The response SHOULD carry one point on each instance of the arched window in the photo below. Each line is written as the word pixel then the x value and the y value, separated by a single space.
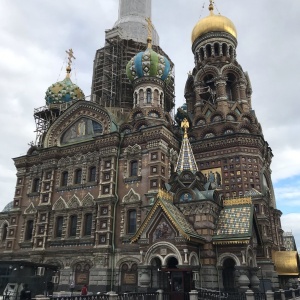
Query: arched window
pixel 29 230
pixel 217 49
pixel 149 96
pixel 208 50
pixel 73 225
pixel 224 49
pixel 132 221
pixel 134 168
pixel 59 226
pixel 77 177
pixel 230 88
pixel 36 185
pixel 201 54
pixel 4 232
pixel 88 218
pixel 92 174
pixel 64 178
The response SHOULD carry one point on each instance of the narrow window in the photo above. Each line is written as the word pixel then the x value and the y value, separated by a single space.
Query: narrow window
pixel 92 175
pixel 73 226
pixel 132 221
pixel 4 232
pixel 36 185
pixel 134 168
pixel 59 226
pixel 78 175
pixel 29 230
pixel 149 96
pixel 88 224
pixel 64 178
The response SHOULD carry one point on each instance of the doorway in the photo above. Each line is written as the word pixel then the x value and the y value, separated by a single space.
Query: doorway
pixel 177 281
pixel 228 274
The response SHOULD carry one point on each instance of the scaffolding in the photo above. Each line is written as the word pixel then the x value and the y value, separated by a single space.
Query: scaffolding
pixel 110 86
pixel 44 116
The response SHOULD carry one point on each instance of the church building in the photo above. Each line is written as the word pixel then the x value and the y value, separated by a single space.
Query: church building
pixel 122 194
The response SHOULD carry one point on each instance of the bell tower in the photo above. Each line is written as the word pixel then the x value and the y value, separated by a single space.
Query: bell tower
pixel 225 133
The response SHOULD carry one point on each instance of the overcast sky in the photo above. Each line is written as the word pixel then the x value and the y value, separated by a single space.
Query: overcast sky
pixel 35 34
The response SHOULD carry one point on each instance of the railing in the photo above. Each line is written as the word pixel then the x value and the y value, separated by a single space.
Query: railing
pixel 168 295
pixel 277 295
pixel 260 296
pixel 138 296
pixel 88 297
pixel 236 296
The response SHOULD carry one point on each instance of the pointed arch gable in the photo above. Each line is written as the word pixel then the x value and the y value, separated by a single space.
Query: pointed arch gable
pixel 74 202
pixel 30 210
pixel 80 110
pixel 60 204
pixel 88 200
pixel 131 197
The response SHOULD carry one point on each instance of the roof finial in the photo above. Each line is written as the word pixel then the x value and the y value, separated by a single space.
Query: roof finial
pixel 149 38
pixel 68 69
pixel 211 7
pixel 185 125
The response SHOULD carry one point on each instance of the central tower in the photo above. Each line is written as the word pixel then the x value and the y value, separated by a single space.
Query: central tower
pixel 111 87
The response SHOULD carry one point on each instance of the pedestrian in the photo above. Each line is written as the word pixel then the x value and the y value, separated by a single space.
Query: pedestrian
pixel 25 293
pixel 84 290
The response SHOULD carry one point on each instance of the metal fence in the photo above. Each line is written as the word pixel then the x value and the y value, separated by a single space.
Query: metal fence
pixel 87 297
pixel 138 296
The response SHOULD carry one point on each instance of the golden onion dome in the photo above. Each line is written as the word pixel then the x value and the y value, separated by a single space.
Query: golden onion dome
pixel 213 23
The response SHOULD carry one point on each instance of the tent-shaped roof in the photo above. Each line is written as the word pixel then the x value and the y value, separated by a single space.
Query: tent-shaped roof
pixel 165 202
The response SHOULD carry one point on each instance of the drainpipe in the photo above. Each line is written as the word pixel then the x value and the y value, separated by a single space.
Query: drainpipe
pixel 114 219
pixel 218 275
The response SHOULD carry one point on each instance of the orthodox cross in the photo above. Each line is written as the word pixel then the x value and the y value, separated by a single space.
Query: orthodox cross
pixel 70 54
pixel 150 27
pixel 185 125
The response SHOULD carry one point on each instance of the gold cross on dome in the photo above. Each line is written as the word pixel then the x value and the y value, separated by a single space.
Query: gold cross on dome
pixel 71 56
pixel 185 125
pixel 150 27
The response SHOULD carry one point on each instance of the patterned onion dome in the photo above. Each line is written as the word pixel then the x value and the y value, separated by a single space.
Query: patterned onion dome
pixel 63 91
pixel 148 63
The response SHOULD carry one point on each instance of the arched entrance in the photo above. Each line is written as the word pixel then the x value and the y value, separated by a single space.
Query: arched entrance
pixel 177 281
pixel 228 274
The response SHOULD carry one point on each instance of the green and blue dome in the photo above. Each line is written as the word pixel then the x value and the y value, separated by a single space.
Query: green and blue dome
pixel 63 91
pixel 148 63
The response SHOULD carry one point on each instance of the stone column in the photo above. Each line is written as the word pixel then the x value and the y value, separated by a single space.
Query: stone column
pixel 249 295
pixel 112 296
pixel 269 295
pixel 194 295
pixel 282 294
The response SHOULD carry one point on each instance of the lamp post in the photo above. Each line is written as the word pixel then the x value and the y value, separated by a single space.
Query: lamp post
pixel 262 277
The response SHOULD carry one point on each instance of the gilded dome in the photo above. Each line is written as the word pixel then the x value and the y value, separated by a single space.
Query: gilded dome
pixel 148 63
pixel 63 91
pixel 213 23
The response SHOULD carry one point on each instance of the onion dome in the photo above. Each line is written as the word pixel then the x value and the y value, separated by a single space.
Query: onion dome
pixel 213 23
pixel 148 63
pixel 64 91
pixel 8 207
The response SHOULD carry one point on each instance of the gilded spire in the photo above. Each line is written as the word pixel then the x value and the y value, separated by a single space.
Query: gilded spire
pixel 149 38
pixel 211 7
pixel 185 125
pixel 186 160
pixel 70 57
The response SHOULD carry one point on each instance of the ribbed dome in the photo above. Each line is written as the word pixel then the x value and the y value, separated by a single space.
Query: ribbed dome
pixel 213 23
pixel 63 91
pixel 148 63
